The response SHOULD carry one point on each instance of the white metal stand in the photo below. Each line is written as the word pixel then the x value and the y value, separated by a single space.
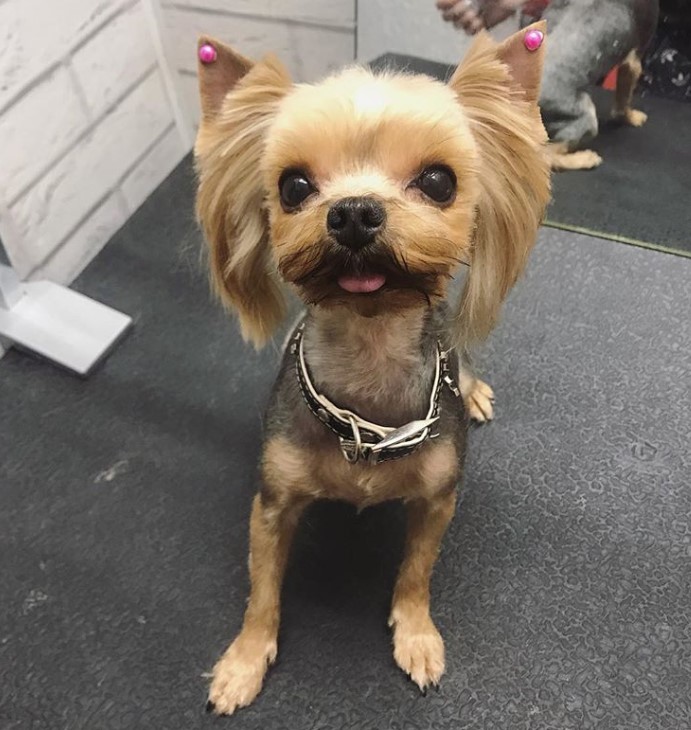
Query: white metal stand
pixel 57 323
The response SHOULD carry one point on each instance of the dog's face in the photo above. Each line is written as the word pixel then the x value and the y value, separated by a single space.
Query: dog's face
pixel 366 191
pixel 371 188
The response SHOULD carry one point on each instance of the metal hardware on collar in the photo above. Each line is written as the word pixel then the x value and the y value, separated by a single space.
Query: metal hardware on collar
pixel 349 450
pixel 352 451
pixel 452 385
pixel 359 438
pixel 446 375
pixel 402 434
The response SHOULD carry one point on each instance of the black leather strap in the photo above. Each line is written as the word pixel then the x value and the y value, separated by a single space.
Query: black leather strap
pixel 345 431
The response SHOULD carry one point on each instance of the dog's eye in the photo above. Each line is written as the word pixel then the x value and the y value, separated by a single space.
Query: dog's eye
pixel 438 183
pixel 294 188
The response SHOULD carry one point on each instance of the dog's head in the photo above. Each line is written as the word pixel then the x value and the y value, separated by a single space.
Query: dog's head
pixel 366 191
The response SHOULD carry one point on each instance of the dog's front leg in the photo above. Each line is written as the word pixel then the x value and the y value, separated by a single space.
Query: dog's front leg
pixel 239 673
pixel 418 646
pixel 478 396
pixel 628 75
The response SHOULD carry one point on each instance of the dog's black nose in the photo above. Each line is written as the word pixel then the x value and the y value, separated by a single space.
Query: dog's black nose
pixel 354 222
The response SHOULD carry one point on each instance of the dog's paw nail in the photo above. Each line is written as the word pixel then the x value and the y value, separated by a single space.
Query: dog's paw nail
pixel 437 688
pixel 210 707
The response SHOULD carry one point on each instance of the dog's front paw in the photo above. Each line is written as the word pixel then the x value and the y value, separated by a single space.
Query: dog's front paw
pixel 580 160
pixel 418 650
pixel 239 673
pixel 479 401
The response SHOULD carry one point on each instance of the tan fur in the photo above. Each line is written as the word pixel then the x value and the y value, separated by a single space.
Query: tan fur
pixel 561 159
pixel 381 356
pixel 239 673
pixel 418 646
pixel 293 477
pixel 376 150
pixel 358 134
pixel 478 397
pixel 228 152
pixel 627 77
pixel 514 181
pixel 325 474
pixel 217 79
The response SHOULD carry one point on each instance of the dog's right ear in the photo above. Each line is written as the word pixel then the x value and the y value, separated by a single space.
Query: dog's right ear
pixel 219 70
pixel 239 101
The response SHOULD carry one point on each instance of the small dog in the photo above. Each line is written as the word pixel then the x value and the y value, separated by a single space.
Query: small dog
pixel 365 193
pixel 587 40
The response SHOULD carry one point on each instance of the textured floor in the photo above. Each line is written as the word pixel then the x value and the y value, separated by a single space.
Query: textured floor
pixel 640 191
pixel 564 584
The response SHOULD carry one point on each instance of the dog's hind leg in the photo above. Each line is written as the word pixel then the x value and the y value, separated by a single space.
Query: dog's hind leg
pixel 571 121
pixel 627 77
pixel 239 673
pixel 418 646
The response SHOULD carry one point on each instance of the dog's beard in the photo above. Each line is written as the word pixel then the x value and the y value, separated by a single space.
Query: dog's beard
pixel 316 272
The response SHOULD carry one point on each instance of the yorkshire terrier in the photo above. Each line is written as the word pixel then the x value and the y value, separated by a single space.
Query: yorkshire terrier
pixel 365 193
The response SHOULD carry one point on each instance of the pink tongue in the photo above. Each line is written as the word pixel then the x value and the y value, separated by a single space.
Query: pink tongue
pixel 362 284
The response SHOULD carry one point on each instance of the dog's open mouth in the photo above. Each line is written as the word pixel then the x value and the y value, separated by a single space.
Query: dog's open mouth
pixel 342 277
pixel 361 283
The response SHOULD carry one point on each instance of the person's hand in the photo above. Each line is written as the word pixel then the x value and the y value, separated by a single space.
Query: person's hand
pixel 464 14
pixel 474 15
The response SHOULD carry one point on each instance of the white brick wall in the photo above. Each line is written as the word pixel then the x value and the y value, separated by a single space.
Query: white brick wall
pixel 151 171
pixel 68 261
pixel 38 128
pixel 64 196
pixel 102 70
pixel 36 34
pixel 312 37
pixel 98 102
pixel 340 13
pixel 87 127
pixel 413 27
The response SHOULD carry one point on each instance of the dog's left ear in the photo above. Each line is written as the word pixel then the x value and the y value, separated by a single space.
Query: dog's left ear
pixel 498 86
pixel 239 100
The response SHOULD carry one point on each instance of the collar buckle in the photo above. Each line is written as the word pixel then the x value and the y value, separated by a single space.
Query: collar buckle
pixel 352 450
pixel 356 449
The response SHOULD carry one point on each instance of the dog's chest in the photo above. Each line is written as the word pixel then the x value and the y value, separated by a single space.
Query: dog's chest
pixel 377 370
pixel 385 371
pixel 422 474
pixel 323 472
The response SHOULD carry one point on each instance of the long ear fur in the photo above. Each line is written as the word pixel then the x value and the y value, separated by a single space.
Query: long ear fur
pixel 239 101
pixel 498 87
